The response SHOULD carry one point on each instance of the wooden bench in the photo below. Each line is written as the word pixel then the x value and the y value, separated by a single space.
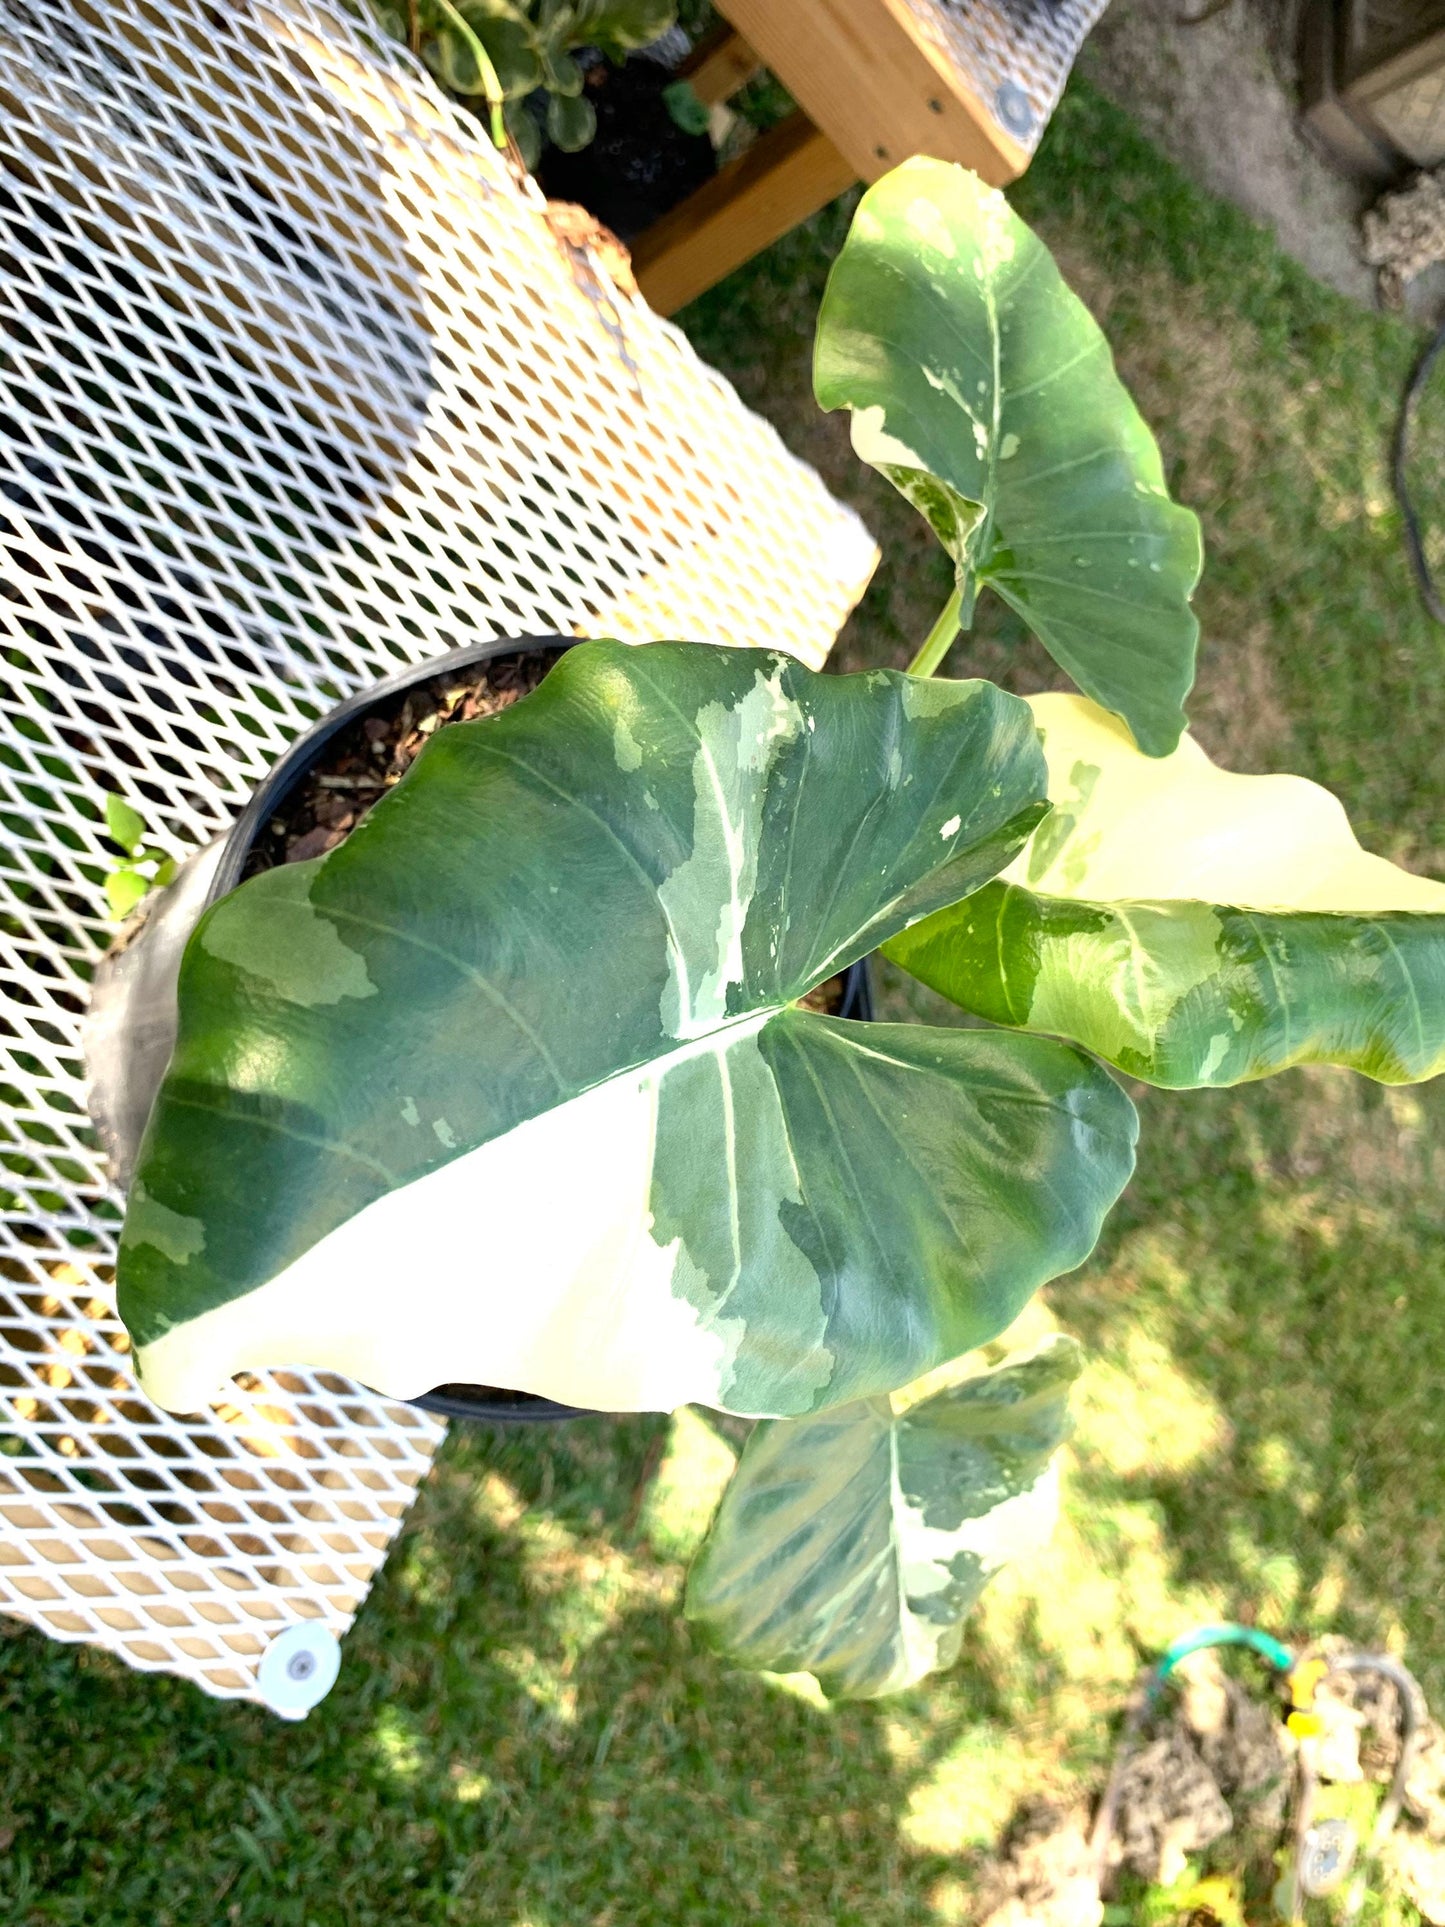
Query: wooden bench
pixel 875 81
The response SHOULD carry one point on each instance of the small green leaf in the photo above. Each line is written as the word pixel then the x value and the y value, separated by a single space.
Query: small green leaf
pixel 511 45
pixel 124 825
pixel 1193 926
pixel 851 1545
pixel 687 111
pixel 507 39
pixel 451 60
pixel 391 20
pixel 620 27
pixel 985 392
pixel 521 124
pixel 165 870
pixel 124 889
pixel 570 123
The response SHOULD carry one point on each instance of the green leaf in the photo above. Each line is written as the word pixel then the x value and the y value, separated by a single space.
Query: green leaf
pixel 512 49
pixel 124 825
pixel 686 110
pixel 851 1545
pixel 619 27
pixel 985 392
pixel 570 123
pixel 562 76
pixel 391 20
pixel 1193 926
pixel 521 124
pixel 124 889
pixel 512 1087
pixel 508 39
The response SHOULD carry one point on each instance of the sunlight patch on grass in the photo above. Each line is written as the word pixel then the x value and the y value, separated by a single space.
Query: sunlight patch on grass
pixel 1280 1466
pixel 1063 1635
pixel 1272 1577
pixel 799 1686
pixel 1142 1412
pixel 498 1503
pixel 683 1497
pixel 967 1795
pixel 468 1785
pixel 543 1682
pixel 398 1744
pixel 953 1902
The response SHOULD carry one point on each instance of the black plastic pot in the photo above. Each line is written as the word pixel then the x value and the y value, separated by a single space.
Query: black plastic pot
pixel 131 1030
pixel 640 164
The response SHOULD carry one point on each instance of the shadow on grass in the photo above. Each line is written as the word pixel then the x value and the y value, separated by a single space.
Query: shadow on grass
pixel 1267 1319
pixel 523 1730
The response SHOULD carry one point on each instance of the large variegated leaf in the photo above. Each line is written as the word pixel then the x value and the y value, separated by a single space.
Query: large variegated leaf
pixel 983 389
pixel 1194 926
pixel 511 1088
pixel 852 1544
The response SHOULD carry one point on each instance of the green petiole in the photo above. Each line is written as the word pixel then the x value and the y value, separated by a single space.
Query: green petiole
pixel 491 86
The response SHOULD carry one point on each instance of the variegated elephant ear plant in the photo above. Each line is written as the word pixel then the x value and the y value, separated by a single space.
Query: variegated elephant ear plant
pixel 515 1085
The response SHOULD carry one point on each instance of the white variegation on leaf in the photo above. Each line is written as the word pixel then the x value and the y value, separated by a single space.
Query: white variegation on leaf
pixel 981 386
pixel 512 1086
pixel 853 1544
pixel 1195 926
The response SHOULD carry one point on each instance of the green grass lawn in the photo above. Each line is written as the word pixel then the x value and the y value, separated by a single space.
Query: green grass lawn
pixel 524 1733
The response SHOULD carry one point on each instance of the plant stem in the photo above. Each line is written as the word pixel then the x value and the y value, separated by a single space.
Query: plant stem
pixel 491 86
pixel 941 635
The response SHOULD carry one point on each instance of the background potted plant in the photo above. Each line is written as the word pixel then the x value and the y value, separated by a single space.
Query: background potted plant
pixel 516 1082
pixel 519 58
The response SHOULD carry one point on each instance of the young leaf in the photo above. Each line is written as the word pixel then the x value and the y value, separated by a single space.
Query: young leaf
pixel 124 889
pixel 561 74
pixel 620 27
pixel 851 1545
pixel 985 392
pixel 511 43
pixel 570 123
pixel 391 19
pixel 511 1086
pixel 506 35
pixel 1193 926
pixel 521 124
pixel 124 825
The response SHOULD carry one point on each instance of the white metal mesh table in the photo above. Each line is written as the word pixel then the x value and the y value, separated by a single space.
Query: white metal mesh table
pixel 296 385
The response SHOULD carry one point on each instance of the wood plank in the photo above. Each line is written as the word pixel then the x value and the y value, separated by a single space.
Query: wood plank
pixel 719 66
pixel 786 175
pixel 877 85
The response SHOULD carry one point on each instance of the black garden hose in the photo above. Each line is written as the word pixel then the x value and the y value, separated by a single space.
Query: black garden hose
pixel 1414 544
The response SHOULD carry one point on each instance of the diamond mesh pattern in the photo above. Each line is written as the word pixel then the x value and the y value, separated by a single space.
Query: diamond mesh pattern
pixel 1016 53
pixel 296 384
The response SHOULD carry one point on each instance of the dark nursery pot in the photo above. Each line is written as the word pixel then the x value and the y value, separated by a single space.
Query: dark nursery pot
pixel 640 164
pixel 130 1030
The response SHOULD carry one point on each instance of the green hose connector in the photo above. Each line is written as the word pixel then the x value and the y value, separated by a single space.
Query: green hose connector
pixel 1226 1634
